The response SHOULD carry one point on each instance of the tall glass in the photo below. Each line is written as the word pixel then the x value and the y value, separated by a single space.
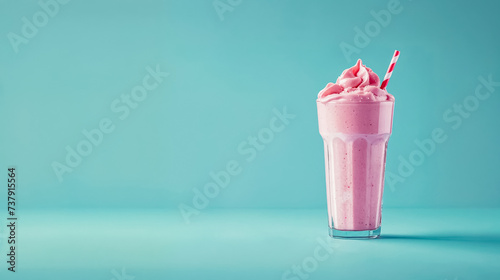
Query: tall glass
pixel 355 137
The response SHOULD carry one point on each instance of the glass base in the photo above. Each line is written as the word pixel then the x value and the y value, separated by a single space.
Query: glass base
pixel 362 234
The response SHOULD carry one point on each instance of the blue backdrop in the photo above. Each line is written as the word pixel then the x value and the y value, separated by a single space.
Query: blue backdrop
pixel 185 106
pixel 229 67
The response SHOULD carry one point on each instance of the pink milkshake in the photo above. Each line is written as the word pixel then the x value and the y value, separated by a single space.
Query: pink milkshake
pixel 355 121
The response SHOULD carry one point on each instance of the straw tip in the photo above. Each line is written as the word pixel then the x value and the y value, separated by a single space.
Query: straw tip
pixel 396 52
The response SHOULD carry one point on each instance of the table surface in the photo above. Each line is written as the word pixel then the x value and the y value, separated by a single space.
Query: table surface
pixel 252 244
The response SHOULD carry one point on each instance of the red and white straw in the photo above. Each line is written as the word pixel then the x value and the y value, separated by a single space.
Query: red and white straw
pixel 389 71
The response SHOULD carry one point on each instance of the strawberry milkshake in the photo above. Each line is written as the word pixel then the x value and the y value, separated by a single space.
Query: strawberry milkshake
pixel 355 121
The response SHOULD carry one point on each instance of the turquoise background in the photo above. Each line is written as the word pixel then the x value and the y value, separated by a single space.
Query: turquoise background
pixel 227 75
pixel 225 79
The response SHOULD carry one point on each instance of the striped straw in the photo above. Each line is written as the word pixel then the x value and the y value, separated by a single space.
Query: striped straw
pixel 389 71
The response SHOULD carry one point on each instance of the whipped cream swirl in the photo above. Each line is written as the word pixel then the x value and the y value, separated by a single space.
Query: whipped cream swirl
pixel 356 84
